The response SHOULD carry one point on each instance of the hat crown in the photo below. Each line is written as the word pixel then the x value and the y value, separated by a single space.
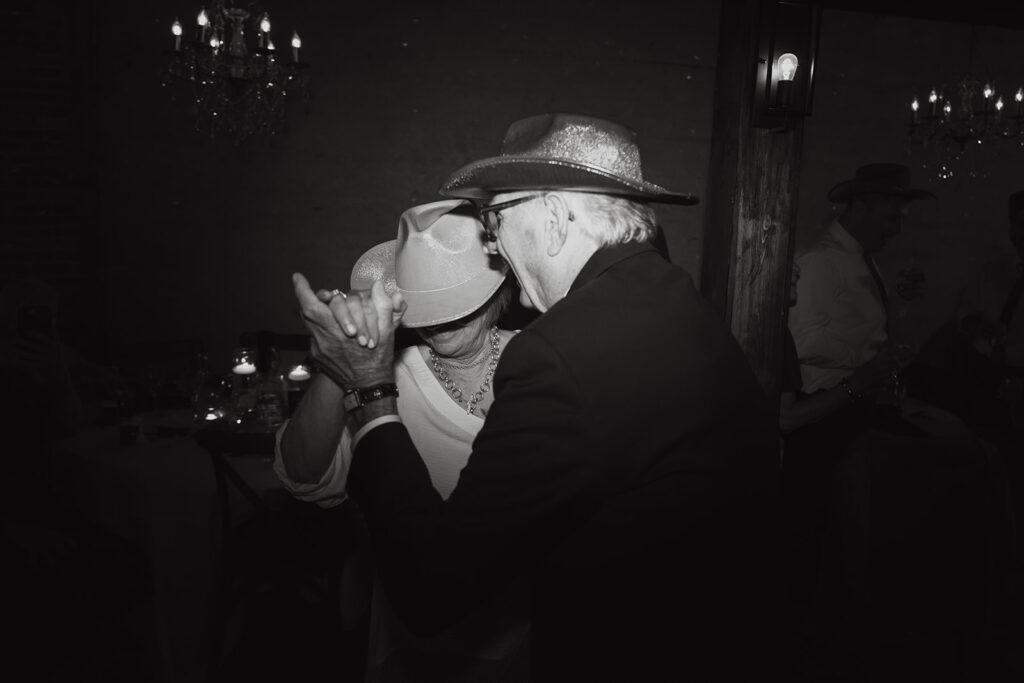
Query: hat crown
pixel 437 261
pixel 585 140
pixel 438 247
pixel 896 175
pixel 878 178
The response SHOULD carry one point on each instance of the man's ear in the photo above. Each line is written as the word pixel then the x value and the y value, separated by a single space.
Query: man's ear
pixel 556 223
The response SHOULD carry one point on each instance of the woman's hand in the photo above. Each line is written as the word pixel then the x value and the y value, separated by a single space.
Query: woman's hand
pixel 351 334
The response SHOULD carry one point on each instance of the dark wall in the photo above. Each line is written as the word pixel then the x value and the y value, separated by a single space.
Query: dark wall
pixel 152 232
pixel 49 200
pixel 202 238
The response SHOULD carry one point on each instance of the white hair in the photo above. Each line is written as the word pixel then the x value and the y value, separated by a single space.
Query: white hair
pixel 613 219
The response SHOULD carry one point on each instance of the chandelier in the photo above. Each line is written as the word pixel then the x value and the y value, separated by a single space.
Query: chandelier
pixel 961 128
pixel 959 120
pixel 239 87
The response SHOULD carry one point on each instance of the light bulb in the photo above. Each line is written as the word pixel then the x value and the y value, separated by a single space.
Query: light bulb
pixel 201 19
pixel 296 41
pixel 932 96
pixel 787 66
pixel 265 24
pixel 914 105
pixel 176 28
pixel 987 91
pixel 1020 95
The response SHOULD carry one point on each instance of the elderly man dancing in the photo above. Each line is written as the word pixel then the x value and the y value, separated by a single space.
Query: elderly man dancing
pixel 627 468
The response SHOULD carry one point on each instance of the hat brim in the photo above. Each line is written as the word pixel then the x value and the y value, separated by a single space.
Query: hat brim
pixel 425 308
pixel 846 190
pixel 483 179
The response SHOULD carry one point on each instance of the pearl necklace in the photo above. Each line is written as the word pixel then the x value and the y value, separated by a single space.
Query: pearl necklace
pixel 485 386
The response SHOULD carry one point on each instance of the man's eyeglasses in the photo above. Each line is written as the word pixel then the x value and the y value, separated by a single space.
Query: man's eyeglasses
pixel 490 215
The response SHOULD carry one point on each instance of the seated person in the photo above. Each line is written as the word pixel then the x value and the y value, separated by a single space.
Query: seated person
pixel 874 469
pixel 456 294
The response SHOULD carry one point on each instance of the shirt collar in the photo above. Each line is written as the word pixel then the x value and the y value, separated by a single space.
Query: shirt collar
pixel 606 257
pixel 847 241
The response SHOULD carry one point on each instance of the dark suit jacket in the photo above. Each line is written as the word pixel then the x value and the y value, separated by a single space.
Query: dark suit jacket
pixel 627 469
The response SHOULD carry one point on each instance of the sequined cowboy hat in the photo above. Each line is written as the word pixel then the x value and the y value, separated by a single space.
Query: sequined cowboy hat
pixel 437 262
pixel 562 152
pixel 878 179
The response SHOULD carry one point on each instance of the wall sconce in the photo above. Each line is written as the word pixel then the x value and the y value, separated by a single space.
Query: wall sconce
pixel 787 46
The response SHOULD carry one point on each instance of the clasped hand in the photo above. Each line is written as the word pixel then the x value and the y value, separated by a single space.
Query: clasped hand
pixel 351 335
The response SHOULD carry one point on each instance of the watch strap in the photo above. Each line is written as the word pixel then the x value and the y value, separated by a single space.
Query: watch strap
pixel 360 396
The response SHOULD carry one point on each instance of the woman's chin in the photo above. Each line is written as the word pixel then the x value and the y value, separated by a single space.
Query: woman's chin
pixel 443 342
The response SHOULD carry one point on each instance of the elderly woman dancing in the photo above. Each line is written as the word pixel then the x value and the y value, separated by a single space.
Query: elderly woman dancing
pixel 455 293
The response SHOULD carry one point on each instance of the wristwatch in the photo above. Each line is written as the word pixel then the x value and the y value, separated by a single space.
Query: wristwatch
pixel 359 397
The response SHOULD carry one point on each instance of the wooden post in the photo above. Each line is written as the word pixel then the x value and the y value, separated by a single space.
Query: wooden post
pixel 752 200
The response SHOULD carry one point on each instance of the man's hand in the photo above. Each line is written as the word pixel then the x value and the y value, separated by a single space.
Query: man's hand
pixel 352 336
pixel 878 373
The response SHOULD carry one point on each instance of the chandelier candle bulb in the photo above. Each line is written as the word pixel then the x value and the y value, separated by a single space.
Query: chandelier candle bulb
pixel 932 99
pixel 264 30
pixel 1019 97
pixel 203 23
pixel 176 30
pixel 296 44
pixel 914 106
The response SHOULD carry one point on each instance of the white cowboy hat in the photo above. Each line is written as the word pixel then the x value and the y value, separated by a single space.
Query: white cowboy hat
pixel 437 262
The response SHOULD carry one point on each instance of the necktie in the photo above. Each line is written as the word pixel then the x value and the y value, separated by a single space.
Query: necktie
pixel 880 285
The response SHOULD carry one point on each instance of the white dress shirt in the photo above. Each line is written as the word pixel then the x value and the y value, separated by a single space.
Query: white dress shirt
pixel 839 319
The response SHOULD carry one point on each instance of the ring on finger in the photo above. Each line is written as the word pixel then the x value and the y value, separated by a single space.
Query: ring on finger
pixel 338 292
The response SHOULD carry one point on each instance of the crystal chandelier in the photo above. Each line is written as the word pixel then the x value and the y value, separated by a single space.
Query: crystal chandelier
pixel 960 128
pixel 959 121
pixel 238 87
